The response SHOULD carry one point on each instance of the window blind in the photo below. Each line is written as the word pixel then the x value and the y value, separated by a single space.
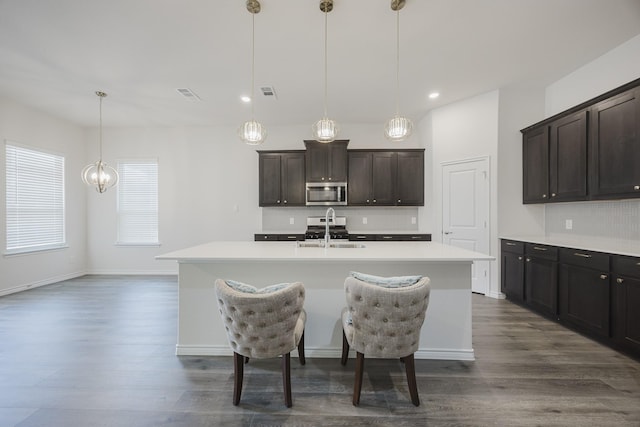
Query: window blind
pixel 34 200
pixel 138 202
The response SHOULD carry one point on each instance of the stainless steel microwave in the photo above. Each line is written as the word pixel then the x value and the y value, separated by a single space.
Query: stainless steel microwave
pixel 326 193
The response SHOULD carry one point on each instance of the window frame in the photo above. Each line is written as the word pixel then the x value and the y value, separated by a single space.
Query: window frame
pixel 122 185
pixel 57 203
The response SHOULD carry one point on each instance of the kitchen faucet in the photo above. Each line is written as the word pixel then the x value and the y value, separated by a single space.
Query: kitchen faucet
pixel 326 225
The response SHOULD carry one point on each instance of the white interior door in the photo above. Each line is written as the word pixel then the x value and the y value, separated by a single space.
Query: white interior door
pixel 465 213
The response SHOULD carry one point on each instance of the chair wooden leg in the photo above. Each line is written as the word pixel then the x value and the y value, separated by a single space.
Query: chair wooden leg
pixel 238 372
pixel 286 378
pixel 345 349
pixel 357 386
pixel 301 350
pixel 410 366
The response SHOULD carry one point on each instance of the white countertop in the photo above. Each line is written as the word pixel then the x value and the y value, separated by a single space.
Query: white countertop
pixel 279 251
pixel 596 244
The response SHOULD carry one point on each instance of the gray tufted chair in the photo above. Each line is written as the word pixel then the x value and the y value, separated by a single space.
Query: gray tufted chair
pixel 263 325
pixel 383 323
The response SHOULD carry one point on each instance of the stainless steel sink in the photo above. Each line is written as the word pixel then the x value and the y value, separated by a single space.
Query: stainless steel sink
pixel 320 244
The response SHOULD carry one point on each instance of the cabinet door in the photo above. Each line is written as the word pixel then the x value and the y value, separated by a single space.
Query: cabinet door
pixel 615 147
pixel 541 285
pixel 270 175
pixel 568 158
pixel 513 276
pixel 317 161
pixel 293 179
pixel 384 178
pixel 410 179
pixel 584 299
pixel 337 163
pixel 360 176
pixel 626 312
pixel 535 165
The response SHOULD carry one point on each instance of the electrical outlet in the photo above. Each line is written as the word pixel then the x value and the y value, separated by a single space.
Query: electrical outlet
pixel 413 220
pixel 364 219
pixel 568 224
pixel 291 221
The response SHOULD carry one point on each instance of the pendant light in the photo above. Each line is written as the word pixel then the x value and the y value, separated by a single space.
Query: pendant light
pixel 252 132
pixel 325 130
pixel 398 128
pixel 99 174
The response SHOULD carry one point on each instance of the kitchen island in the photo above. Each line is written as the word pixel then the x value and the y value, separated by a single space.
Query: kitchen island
pixel 446 333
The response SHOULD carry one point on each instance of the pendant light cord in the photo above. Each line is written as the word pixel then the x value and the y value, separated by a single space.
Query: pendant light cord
pixel 253 60
pixel 100 133
pixel 325 62
pixel 398 61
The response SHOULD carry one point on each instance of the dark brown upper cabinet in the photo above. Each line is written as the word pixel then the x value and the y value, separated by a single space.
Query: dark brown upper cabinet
pixel 326 162
pixel 386 178
pixel 535 165
pixel 615 147
pixel 281 178
pixel 589 152
pixel 568 158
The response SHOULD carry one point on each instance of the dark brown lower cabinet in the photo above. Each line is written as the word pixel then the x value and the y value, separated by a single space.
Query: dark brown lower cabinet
pixel 541 278
pixel 595 293
pixel 625 294
pixel 585 291
pixel 512 279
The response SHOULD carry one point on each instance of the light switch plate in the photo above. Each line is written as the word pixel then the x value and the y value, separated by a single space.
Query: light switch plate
pixel 568 224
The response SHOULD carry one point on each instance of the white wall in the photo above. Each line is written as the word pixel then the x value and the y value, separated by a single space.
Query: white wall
pixel 208 183
pixel 615 68
pixel 41 131
pixel 465 130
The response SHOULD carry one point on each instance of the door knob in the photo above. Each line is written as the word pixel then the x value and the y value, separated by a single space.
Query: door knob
pixel 448 232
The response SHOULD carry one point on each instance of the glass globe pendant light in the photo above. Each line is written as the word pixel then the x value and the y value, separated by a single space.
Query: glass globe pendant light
pixel 398 128
pixel 252 132
pixel 99 174
pixel 325 130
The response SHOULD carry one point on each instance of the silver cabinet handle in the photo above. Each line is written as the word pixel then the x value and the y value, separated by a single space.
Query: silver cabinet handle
pixel 544 196
pixel 285 202
pixel 416 237
pixel 361 237
pixel 367 200
pixel 528 259
pixel 603 276
pixel 292 237
pixel 538 248
pixel 399 201
pixel 510 244
pixel 387 237
pixel 278 201
pixel 553 194
pixel 636 187
pixel 519 258
pixel 582 255
pixel 619 280
pixel 375 201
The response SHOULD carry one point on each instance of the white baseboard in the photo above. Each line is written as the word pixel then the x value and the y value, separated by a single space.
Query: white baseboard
pixel 134 272
pixel 496 295
pixel 324 353
pixel 44 282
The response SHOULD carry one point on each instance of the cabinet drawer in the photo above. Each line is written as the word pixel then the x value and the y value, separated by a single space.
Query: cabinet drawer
pixel 355 237
pixel 512 246
pixel 265 237
pixel 291 237
pixel 588 259
pixel 541 251
pixel 626 266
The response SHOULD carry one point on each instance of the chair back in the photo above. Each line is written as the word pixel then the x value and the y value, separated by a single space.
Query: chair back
pixel 262 325
pixel 386 321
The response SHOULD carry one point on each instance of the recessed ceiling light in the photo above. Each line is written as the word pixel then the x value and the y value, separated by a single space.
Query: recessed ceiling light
pixel 434 95
pixel 245 99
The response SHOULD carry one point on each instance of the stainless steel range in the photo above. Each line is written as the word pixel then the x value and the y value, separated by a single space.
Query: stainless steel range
pixel 316 228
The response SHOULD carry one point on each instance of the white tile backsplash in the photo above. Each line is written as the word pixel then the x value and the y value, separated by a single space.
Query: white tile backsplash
pixel 378 219
pixel 606 219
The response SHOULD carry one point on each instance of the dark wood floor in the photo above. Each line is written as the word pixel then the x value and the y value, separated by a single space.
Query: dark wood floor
pixel 99 351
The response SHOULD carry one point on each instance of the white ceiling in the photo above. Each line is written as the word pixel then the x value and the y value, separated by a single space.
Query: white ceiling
pixel 55 54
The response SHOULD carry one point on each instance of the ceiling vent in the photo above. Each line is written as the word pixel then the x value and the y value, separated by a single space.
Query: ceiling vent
pixel 268 91
pixel 188 94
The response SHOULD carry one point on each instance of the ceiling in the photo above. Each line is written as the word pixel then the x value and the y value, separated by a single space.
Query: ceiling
pixel 55 54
